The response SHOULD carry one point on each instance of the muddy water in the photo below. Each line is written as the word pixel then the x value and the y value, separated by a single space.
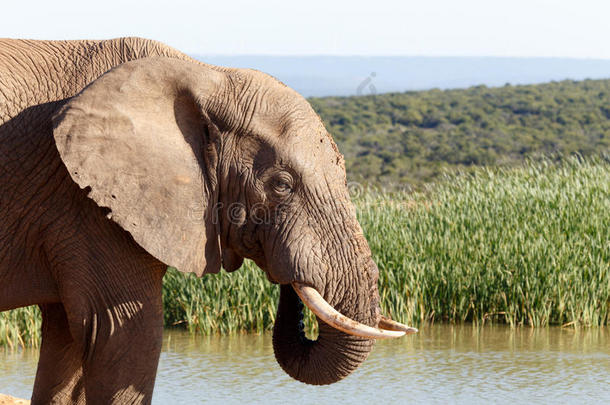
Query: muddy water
pixel 456 364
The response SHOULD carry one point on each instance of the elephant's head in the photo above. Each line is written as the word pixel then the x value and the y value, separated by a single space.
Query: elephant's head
pixel 204 166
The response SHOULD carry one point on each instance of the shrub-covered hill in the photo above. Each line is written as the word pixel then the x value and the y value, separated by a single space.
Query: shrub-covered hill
pixel 411 137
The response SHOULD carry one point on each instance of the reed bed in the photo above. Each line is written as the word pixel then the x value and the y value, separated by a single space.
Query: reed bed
pixel 524 246
pixel 20 327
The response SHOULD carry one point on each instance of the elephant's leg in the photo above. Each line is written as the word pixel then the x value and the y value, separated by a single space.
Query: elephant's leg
pixel 123 368
pixel 59 375
pixel 110 288
pixel 119 325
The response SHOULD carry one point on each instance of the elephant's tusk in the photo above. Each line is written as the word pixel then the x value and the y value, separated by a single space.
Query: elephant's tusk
pixel 334 318
pixel 388 324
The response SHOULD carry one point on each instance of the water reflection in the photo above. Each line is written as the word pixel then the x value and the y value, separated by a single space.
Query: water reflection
pixel 460 364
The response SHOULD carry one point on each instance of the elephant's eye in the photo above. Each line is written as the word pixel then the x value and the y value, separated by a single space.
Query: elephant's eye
pixel 282 184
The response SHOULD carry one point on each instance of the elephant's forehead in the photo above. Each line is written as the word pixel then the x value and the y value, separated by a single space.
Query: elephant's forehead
pixel 315 155
pixel 299 136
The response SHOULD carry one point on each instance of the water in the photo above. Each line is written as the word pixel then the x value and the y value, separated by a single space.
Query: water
pixel 456 364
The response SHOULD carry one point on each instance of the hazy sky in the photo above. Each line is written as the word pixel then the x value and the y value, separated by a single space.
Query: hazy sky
pixel 337 27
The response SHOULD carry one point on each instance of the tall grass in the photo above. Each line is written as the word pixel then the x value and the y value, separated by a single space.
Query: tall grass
pixel 526 246
pixel 20 327
pixel 222 303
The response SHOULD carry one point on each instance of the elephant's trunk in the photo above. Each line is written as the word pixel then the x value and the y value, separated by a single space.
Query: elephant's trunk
pixel 333 356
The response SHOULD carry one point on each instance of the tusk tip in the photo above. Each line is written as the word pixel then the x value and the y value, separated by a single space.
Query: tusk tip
pixel 388 324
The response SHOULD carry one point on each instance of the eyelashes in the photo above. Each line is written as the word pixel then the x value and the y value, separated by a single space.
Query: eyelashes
pixel 282 184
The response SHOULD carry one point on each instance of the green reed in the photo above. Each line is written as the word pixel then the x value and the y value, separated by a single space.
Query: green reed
pixel 525 246
pixel 528 246
pixel 20 327
pixel 222 303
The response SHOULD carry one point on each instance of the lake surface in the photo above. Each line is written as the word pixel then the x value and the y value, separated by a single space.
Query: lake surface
pixel 455 364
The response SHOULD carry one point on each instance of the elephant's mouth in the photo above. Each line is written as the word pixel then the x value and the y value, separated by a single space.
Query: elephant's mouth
pixel 386 329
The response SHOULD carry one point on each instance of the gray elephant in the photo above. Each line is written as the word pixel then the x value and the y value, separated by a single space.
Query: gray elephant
pixel 121 157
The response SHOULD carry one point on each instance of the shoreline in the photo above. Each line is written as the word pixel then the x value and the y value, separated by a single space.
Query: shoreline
pixel 9 400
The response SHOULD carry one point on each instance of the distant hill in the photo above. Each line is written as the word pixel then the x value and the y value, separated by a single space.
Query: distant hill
pixel 409 138
pixel 317 76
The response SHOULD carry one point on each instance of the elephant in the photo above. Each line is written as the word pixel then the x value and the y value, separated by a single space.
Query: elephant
pixel 119 158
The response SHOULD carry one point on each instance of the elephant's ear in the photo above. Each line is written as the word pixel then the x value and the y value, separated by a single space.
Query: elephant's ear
pixel 140 138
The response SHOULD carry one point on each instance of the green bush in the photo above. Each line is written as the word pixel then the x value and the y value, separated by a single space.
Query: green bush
pixel 412 134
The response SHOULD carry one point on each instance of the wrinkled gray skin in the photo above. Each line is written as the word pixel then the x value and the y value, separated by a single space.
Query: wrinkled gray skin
pixel 196 166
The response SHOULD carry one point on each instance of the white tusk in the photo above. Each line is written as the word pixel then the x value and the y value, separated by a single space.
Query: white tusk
pixel 388 324
pixel 334 318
